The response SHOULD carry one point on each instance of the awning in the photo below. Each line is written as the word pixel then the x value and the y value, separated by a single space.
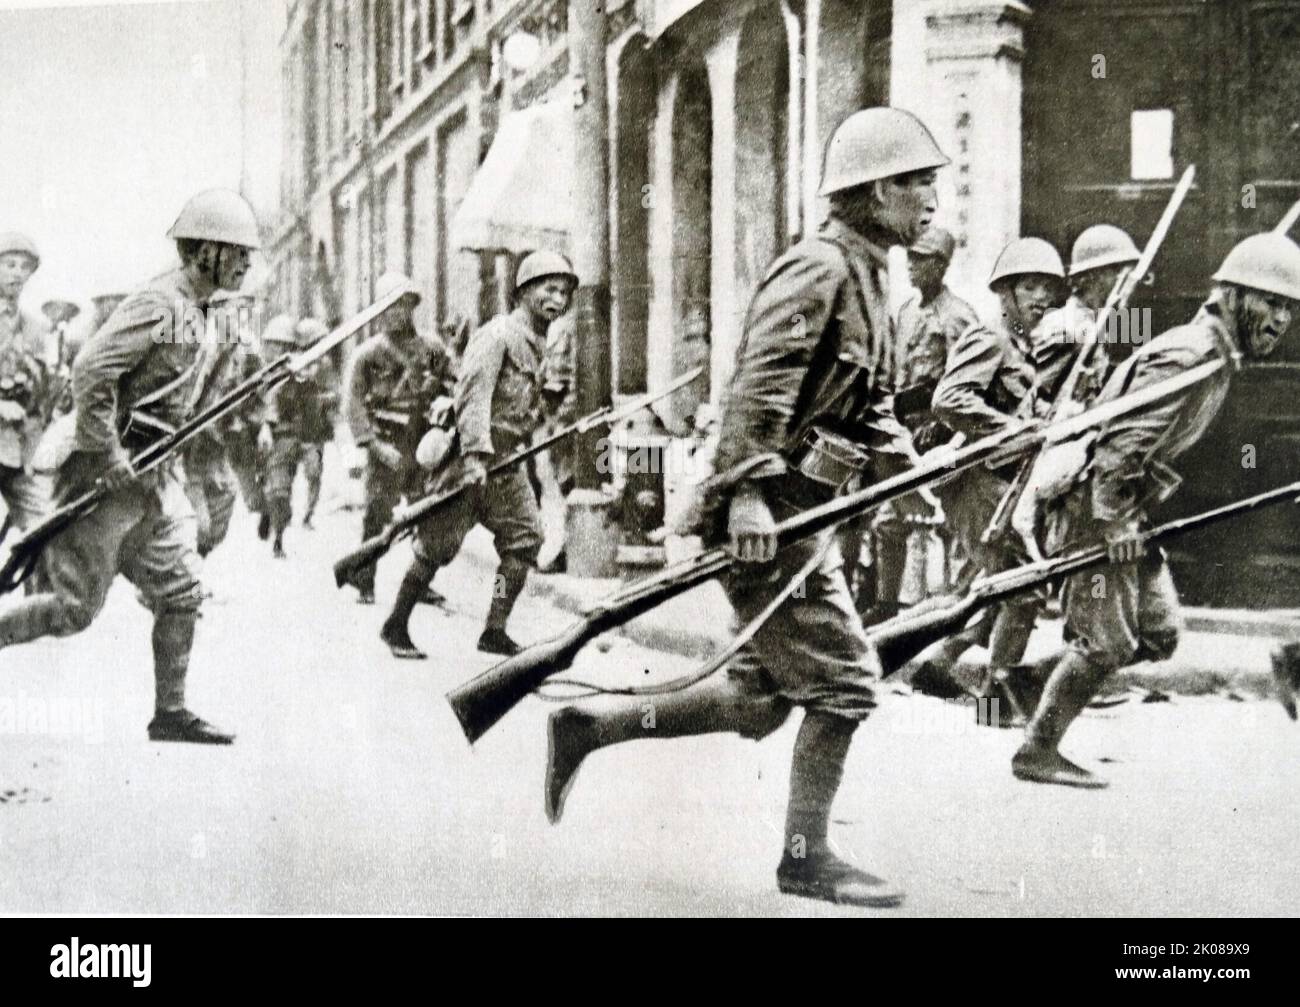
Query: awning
pixel 521 197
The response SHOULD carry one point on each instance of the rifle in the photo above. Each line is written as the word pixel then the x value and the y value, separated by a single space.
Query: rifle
pixel 21 561
pixel 1117 300
pixel 486 698
pixel 407 518
pixel 901 638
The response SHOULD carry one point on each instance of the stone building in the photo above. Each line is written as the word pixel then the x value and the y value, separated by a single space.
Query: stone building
pixel 1057 114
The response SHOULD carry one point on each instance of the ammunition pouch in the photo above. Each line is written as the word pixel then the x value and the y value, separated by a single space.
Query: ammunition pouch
pixel 829 459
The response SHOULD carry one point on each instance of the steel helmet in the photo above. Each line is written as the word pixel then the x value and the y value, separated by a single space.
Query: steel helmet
pixel 1024 256
pixel 60 311
pixel 217 215
pixel 392 282
pixel 279 330
pixel 309 330
pixel 935 241
pixel 1268 261
pixel 877 143
pixel 540 265
pixel 12 241
pixel 1101 245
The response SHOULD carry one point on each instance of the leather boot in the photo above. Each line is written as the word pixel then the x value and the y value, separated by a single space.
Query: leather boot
pixel 716 704
pixel 509 583
pixel 807 866
pixel 1072 684
pixel 395 631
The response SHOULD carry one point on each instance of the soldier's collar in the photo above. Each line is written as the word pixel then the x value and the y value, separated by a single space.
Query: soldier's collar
pixel 1211 315
pixel 856 242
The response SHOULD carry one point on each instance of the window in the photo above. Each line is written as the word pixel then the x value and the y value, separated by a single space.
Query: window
pixel 1151 144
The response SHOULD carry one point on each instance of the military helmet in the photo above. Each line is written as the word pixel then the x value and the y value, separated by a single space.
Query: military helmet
pixel 12 241
pixel 392 282
pixel 60 311
pixel 279 329
pixel 217 215
pixel 309 330
pixel 1102 245
pixel 877 143
pixel 935 241
pixel 540 265
pixel 1025 256
pixel 1268 261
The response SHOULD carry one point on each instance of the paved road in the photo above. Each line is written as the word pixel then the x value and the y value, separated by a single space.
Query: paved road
pixel 350 788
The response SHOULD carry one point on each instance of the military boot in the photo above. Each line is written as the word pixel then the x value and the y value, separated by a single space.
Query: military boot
pixel 716 704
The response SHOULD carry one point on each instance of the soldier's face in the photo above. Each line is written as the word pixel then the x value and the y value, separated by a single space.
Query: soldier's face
pixel 15 270
pixel 1033 295
pixel 907 204
pixel 1265 318
pixel 225 265
pixel 548 298
pixel 926 272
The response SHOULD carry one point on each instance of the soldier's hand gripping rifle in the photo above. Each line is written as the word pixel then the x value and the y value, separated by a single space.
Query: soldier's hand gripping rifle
pixel 485 699
pixel 900 639
pixel 26 550
pixel 1117 301
pixel 405 519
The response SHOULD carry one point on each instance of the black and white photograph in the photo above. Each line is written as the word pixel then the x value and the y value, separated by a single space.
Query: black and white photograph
pixel 651 458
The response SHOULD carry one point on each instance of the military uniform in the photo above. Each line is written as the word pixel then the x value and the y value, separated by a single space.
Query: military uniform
pixel 240 429
pixel 140 529
pixel 24 382
pixel 389 391
pixel 302 417
pixel 1057 342
pixel 927 331
pixel 989 381
pixel 498 409
pixel 1136 615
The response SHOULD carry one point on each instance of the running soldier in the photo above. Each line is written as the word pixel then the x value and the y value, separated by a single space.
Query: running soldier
pixel 989 383
pixel 302 422
pixel 1131 614
pixel 392 380
pixel 1100 254
pixel 498 409
pixel 244 431
pixel 25 385
pixel 129 382
pixel 209 481
pixel 929 325
pixel 812 389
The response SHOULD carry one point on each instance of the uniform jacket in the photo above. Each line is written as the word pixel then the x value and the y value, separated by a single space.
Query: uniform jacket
pixel 927 333
pixel 498 391
pixel 24 378
pixel 382 376
pixel 1056 343
pixel 303 408
pixel 816 350
pixel 153 354
pixel 1128 452
pixel 988 375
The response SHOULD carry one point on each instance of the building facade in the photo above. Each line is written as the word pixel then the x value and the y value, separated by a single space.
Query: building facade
pixel 1057 114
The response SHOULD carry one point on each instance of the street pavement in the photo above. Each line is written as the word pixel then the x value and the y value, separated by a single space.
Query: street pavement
pixel 350 788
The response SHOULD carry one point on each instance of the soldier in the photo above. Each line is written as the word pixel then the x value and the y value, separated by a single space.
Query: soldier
pixel 811 389
pixel 392 380
pixel 209 481
pixel 60 315
pixel 928 327
pixel 151 358
pixel 560 399
pixel 498 408
pixel 988 383
pixel 244 431
pixel 1134 614
pixel 25 385
pixel 302 420
pixel 1100 254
